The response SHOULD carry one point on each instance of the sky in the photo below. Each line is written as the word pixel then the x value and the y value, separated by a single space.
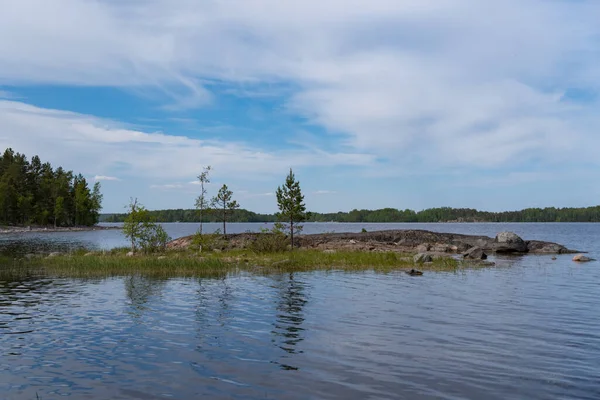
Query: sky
pixel 382 103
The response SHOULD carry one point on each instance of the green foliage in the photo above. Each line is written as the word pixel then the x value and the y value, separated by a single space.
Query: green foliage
pixel 292 209
pixel 270 241
pixel 207 242
pixel 34 193
pixel 223 205
pixel 363 230
pixel 143 233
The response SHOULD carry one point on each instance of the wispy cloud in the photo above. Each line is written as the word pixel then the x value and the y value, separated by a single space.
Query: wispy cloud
pixel 99 178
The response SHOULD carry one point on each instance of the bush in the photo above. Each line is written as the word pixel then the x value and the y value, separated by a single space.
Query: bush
pixel 364 230
pixel 154 239
pixel 270 241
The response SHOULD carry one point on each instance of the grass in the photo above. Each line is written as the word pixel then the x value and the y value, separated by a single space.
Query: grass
pixel 186 263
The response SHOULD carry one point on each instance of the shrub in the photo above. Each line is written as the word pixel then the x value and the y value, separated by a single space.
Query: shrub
pixel 270 241
pixel 154 239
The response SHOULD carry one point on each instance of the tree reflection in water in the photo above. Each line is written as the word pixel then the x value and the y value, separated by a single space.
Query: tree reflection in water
pixel 288 331
pixel 140 289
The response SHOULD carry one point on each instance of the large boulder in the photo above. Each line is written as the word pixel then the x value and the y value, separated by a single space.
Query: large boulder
pixel 509 242
pixel 582 258
pixel 475 253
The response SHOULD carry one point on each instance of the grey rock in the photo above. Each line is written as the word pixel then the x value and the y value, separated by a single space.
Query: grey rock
pixel 29 256
pixel 422 248
pixel 130 254
pixel 509 242
pixel 54 254
pixel 534 246
pixel 88 254
pixel 422 258
pixel 582 258
pixel 475 253
pixel 329 251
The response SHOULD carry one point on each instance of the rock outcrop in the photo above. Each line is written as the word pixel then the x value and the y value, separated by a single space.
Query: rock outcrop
pixel 403 241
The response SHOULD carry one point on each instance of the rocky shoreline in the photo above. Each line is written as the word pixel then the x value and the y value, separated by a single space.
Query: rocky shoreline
pixel 50 229
pixel 406 241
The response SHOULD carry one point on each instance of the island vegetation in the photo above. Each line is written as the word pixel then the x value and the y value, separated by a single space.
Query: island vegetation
pixel 152 252
pixel 33 193
pixel 443 214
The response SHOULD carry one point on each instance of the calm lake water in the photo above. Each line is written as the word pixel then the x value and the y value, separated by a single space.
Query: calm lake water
pixel 528 328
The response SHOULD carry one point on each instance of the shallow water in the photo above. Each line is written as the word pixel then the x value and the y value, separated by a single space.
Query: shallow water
pixel 529 328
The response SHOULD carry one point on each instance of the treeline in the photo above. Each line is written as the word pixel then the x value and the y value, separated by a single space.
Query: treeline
pixel 444 214
pixel 34 193
pixel 180 215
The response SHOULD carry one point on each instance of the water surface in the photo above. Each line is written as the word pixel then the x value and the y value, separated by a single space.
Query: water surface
pixel 529 328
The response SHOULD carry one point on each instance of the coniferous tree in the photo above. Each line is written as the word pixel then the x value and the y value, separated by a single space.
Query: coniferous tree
pixel 290 201
pixel 223 205
pixel 33 193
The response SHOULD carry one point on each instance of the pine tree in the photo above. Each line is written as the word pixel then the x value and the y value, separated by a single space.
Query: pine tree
pixel 290 201
pixel 223 205
pixel 202 204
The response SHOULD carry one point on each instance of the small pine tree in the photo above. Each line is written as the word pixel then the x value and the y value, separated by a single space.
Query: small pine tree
pixel 290 201
pixel 223 205
pixel 202 204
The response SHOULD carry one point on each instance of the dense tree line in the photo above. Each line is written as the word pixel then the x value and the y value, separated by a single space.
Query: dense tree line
pixel 34 193
pixel 180 215
pixel 445 214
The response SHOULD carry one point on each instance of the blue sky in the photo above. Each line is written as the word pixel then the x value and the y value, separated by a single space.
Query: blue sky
pixel 386 103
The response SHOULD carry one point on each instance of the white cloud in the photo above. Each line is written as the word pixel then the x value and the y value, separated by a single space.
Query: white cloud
pixel 427 83
pixel 84 143
pixel 99 178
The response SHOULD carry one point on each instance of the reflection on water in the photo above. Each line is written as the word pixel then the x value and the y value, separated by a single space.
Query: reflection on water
pixel 288 331
pixel 527 330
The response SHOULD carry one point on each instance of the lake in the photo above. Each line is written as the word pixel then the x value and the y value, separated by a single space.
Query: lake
pixel 528 328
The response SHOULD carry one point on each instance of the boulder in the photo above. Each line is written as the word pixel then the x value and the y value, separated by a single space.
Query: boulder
pixel 88 254
pixel 29 256
pixel 582 258
pixel 475 253
pixel 422 258
pixel 130 254
pixel 509 242
pixel 54 254
pixel 422 248
pixel 329 251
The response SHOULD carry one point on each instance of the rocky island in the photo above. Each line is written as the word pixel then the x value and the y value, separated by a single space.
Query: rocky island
pixel 402 241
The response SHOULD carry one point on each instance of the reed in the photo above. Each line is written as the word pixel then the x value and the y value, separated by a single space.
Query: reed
pixel 187 263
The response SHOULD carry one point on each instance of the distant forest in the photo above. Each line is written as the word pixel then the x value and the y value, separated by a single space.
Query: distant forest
pixel 445 214
pixel 33 193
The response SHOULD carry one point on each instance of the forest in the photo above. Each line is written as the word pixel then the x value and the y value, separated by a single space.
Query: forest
pixel 444 214
pixel 33 193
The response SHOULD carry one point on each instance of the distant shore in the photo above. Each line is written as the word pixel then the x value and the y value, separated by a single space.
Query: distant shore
pixel 34 229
